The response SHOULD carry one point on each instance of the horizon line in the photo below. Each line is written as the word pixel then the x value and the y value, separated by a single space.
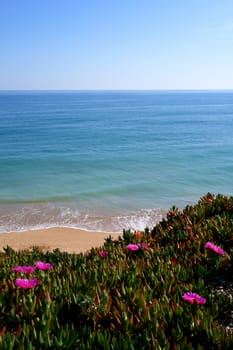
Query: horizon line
pixel 116 90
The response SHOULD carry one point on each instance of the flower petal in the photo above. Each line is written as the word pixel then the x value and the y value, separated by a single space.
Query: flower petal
pixel 43 266
pixel 132 247
pixel 214 248
pixel 191 297
pixel 24 269
pixel 103 253
pixel 26 283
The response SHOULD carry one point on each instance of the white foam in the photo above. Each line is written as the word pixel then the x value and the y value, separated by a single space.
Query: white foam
pixel 48 215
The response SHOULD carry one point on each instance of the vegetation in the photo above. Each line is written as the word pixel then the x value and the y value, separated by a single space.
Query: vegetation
pixel 130 293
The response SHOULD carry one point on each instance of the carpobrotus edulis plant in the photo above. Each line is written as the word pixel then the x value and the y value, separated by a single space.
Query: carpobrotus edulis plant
pixel 156 290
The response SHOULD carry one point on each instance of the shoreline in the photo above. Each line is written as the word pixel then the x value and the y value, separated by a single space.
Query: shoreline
pixel 70 240
pixel 21 217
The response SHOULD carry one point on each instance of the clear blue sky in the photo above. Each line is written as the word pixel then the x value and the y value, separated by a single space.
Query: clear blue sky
pixel 116 44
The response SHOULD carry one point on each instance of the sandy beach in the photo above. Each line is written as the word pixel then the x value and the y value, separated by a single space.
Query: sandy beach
pixel 66 239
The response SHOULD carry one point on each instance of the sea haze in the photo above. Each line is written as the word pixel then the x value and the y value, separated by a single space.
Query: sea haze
pixel 106 161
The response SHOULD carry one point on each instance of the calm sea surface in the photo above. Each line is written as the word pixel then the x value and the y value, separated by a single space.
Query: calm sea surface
pixel 110 160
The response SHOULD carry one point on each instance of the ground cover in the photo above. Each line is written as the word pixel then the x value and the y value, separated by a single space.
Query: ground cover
pixel 165 288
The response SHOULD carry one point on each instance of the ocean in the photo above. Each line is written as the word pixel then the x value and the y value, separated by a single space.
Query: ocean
pixel 110 160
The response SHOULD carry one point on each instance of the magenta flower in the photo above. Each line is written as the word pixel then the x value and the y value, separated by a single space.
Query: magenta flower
pixel 214 248
pixel 103 253
pixel 43 266
pixel 24 269
pixel 25 283
pixel 193 297
pixel 132 247
pixel 142 245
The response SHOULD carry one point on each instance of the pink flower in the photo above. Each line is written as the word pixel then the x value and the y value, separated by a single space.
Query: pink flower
pixel 103 254
pixel 43 266
pixel 193 297
pixel 214 248
pixel 24 269
pixel 25 283
pixel 135 247
pixel 132 247
pixel 142 245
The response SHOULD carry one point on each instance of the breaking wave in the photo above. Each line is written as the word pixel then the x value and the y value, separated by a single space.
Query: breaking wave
pixel 16 218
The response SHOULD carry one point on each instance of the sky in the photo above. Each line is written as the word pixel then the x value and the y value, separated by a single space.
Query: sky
pixel 116 44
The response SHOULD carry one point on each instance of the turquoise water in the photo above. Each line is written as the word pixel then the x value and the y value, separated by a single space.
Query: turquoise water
pixel 110 160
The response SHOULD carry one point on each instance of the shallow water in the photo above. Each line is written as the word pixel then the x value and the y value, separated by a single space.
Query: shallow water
pixel 110 160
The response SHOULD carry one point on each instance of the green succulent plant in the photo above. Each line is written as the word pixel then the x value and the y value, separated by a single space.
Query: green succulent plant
pixel 128 299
